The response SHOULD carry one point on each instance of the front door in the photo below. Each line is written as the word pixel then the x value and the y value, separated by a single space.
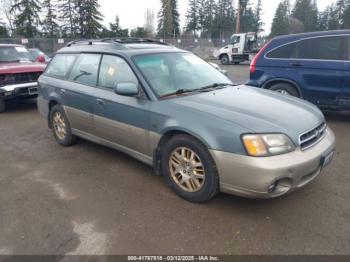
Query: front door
pixel 122 120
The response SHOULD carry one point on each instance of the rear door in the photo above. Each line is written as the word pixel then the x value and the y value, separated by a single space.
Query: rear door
pixel 321 68
pixel 123 120
pixel 78 92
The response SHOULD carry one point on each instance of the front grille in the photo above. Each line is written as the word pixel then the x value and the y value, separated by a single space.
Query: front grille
pixel 25 77
pixel 20 78
pixel 312 137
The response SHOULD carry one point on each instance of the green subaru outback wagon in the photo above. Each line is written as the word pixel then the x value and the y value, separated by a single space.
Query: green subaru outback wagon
pixel 174 111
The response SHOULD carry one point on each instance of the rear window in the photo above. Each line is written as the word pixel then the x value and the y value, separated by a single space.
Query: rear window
pixel 284 52
pixel 60 65
pixel 323 48
pixel 85 69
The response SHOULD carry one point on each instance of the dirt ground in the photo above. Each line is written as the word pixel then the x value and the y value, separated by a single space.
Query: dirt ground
pixel 88 199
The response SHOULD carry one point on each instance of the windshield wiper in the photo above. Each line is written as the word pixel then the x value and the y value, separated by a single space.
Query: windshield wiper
pixel 10 61
pixel 215 86
pixel 202 89
pixel 179 92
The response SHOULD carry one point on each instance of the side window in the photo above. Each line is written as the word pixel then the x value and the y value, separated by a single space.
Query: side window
pixel 60 65
pixel 284 52
pixel 85 69
pixel 322 48
pixel 115 70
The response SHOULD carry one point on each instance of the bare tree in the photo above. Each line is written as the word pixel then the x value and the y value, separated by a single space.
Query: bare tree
pixel 149 22
pixel 5 6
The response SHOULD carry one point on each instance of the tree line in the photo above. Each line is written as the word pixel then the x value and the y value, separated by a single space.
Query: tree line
pixel 204 18
pixel 83 19
pixel 304 16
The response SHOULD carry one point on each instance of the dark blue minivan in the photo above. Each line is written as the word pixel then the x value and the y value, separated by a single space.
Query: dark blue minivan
pixel 313 66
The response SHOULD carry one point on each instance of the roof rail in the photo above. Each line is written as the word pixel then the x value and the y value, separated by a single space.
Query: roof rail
pixel 134 40
pixel 118 41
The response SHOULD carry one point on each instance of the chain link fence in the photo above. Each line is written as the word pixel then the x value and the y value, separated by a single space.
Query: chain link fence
pixel 205 48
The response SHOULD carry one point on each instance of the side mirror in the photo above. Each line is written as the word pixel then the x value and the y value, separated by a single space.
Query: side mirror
pixel 41 59
pixel 126 89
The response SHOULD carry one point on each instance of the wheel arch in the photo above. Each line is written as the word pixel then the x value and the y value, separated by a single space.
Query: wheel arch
pixel 224 54
pixel 274 81
pixel 165 137
pixel 52 103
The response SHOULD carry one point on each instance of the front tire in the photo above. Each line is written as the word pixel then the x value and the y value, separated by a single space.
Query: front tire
pixel 61 129
pixel 189 169
pixel 285 88
pixel 224 59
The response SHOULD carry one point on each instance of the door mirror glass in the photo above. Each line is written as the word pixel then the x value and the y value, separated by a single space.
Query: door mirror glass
pixel 126 89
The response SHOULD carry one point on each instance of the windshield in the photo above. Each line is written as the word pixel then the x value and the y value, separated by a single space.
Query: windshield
pixel 15 54
pixel 169 73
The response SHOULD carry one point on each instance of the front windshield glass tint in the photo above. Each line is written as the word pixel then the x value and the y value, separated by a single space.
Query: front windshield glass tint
pixel 15 54
pixel 170 72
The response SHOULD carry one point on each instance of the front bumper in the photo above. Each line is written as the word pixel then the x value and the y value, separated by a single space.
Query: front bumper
pixel 268 177
pixel 25 90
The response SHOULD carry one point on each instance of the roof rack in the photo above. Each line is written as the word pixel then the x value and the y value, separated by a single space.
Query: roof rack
pixel 118 41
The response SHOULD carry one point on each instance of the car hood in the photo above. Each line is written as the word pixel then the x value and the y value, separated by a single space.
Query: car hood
pixel 258 110
pixel 21 67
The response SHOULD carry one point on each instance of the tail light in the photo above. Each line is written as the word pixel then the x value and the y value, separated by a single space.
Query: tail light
pixel 256 57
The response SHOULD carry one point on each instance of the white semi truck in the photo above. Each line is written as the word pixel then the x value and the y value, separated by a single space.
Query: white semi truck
pixel 241 48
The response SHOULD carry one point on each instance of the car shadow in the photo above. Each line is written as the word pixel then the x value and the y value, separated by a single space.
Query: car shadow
pixel 20 105
pixel 337 116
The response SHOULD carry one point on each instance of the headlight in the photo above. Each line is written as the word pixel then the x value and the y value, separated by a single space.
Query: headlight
pixel 267 144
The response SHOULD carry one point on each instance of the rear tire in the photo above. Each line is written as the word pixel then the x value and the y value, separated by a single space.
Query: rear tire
pixel 61 129
pixel 2 106
pixel 189 169
pixel 224 59
pixel 285 88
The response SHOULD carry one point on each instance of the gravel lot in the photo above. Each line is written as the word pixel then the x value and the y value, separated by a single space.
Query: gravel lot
pixel 88 199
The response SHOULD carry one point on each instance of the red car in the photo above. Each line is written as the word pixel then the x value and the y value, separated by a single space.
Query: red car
pixel 19 72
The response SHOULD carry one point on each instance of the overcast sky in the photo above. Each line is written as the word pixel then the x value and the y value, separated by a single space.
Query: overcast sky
pixel 131 12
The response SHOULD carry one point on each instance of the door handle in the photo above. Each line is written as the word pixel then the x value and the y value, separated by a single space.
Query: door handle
pixel 296 64
pixel 63 92
pixel 100 102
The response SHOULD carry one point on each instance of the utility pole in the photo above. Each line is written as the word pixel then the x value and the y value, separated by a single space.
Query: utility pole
pixel 238 22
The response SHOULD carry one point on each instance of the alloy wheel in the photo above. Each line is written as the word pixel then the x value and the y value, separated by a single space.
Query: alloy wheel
pixel 187 169
pixel 59 125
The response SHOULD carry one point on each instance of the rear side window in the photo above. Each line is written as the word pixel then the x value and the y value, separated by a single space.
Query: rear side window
pixel 323 48
pixel 60 65
pixel 85 69
pixel 284 52
pixel 115 70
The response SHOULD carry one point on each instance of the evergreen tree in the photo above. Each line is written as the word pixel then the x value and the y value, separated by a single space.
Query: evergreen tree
pixel 323 19
pixel 68 17
pixel 27 17
pixel 346 15
pixel 333 21
pixel 168 19
pixel 50 26
pixel 139 32
pixel 248 19
pixel 209 17
pixel 280 22
pixel 306 12
pixel 258 23
pixel 116 30
pixel 224 23
pixel 193 16
pixel 89 18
